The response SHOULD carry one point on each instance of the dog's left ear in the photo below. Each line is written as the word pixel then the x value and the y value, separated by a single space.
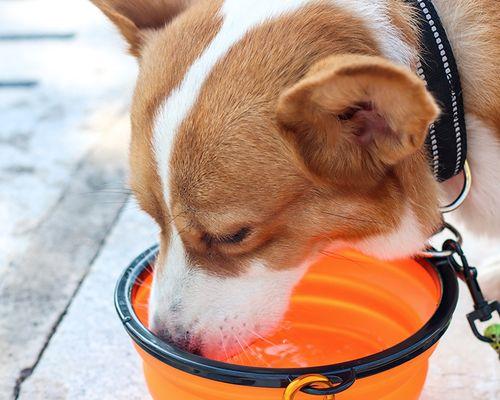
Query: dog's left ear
pixel 356 116
pixel 134 17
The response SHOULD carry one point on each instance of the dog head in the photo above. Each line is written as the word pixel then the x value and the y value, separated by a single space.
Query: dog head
pixel 263 133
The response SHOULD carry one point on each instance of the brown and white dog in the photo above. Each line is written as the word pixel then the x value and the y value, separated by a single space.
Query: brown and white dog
pixel 265 131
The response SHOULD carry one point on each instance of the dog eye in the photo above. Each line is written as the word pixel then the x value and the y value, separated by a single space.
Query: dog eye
pixel 237 237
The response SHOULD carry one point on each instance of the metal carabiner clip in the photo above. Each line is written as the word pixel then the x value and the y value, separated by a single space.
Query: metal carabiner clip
pixel 483 310
pixel 303 381
pixel 332 385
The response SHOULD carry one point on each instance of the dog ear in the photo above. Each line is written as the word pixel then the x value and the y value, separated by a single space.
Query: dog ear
pixel 355 115
pixel 134 17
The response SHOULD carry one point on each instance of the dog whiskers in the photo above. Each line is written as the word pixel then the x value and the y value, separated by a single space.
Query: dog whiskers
pixel 257 335
pixel 223 345
pixel 341 257
pixel 256 355
pixel 332 254
pixel 243 351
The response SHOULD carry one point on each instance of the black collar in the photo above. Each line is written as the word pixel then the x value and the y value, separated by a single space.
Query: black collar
pixel 447 139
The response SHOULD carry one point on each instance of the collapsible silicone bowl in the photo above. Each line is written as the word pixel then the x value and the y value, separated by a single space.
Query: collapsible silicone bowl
pixel 374 323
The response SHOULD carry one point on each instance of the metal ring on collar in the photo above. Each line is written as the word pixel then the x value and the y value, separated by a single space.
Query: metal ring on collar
pixel 464 192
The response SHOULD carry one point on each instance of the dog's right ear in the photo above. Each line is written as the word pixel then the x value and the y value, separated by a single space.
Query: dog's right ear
pixel 354 117
pixel 134 17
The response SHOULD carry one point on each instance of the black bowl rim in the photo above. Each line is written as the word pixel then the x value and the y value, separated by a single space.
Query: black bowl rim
pixel 402 352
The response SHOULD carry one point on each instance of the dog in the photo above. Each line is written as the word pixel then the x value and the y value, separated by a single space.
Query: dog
pixel 267 131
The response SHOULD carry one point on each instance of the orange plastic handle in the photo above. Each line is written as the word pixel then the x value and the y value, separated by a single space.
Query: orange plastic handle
pixel 303 381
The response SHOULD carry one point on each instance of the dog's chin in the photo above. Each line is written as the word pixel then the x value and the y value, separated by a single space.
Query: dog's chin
pixel 233 345
pixel 215 337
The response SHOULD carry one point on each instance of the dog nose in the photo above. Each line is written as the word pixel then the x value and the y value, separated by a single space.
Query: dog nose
pixel 162 334
pixel 177 337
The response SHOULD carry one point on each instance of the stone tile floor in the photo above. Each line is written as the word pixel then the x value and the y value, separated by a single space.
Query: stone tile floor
pixel 69 226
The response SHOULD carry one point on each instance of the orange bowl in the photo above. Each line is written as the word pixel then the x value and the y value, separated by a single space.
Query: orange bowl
pixel 368 326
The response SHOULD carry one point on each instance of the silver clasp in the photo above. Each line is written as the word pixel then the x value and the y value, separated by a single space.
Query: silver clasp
pixel 444 253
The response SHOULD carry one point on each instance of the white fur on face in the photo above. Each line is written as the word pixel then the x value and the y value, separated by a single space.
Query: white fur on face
pixel 217 315
pixel 239 17
pixel 173 270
